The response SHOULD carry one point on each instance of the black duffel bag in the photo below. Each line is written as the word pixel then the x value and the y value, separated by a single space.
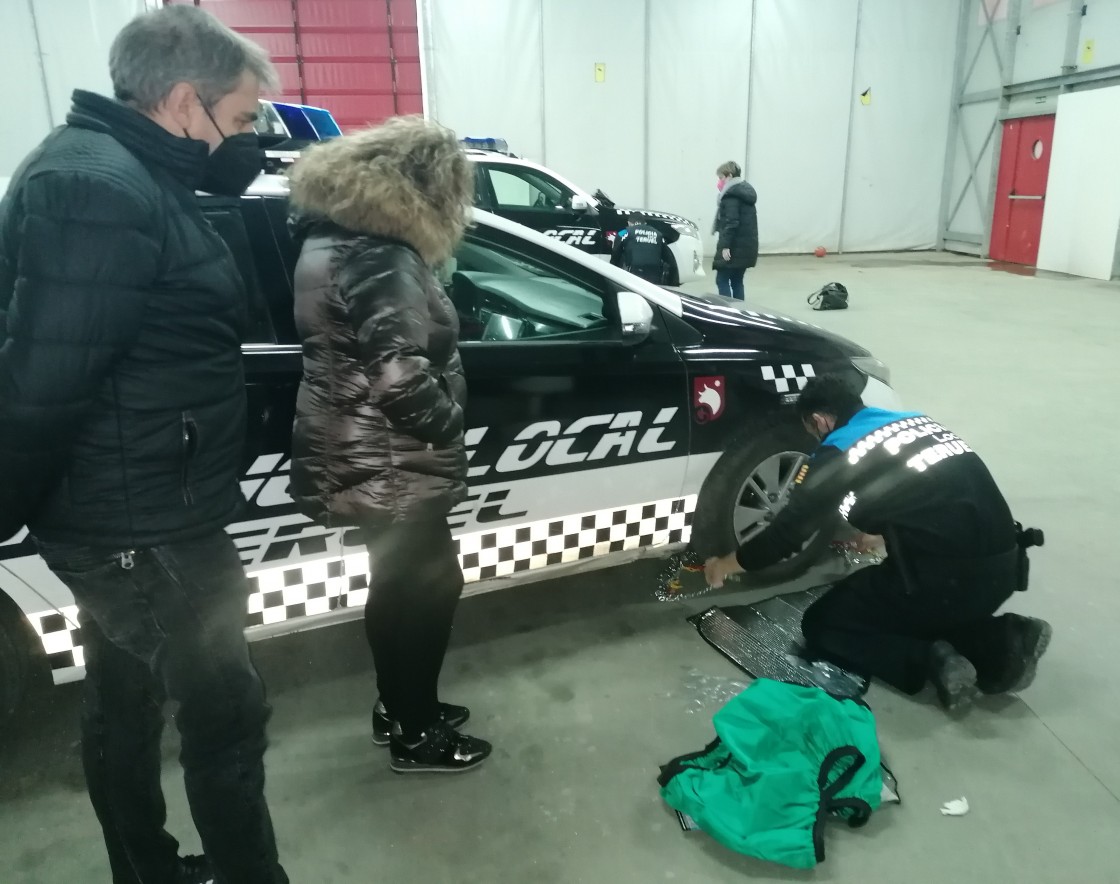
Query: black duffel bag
pixel 833 296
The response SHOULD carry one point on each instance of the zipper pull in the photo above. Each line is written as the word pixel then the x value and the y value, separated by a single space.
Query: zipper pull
pixel 126 560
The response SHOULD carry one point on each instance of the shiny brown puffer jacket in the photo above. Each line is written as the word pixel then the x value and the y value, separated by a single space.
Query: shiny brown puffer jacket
pixel 379 418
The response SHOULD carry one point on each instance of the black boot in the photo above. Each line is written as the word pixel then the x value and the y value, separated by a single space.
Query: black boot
pixel 952 675
pixel 1028 640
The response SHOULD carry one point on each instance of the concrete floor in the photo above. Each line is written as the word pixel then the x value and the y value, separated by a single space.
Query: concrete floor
pixel 587 685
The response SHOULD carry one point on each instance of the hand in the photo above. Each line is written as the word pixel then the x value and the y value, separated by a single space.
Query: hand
pixel 726 254
pixel 869 543
pixel 718 568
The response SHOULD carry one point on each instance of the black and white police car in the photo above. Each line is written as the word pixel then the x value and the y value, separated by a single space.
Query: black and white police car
pixel 608 418
pixel 530 194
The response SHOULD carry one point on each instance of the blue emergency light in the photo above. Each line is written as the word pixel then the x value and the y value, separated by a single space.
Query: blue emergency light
pixel 495 145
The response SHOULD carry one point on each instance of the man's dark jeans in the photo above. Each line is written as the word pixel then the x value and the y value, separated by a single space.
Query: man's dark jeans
pixel 167 624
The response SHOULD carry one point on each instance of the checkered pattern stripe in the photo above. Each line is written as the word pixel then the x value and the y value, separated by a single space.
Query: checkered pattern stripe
pixel 60 635
pixel 784 377
pixel 572 538
pixel 283 594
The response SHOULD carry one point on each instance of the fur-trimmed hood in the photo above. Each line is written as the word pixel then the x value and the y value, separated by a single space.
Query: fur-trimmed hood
pixel 407 180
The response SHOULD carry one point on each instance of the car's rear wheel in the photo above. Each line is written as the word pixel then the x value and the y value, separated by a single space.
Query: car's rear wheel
pixel 15 658
pixel 749 485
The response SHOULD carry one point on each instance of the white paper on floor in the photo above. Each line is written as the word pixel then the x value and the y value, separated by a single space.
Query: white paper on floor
pixel 956 807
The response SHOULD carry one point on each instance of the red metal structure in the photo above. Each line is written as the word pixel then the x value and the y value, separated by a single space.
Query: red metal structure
pixel 1024 166
pixel 360 59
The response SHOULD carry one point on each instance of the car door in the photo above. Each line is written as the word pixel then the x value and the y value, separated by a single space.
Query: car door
pixel 578 437
pixel 531 197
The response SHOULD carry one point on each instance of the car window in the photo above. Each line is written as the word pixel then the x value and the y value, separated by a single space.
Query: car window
pixel 510 291
pixel 516 188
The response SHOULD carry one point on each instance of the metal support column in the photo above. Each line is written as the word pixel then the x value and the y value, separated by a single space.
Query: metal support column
pixel 646 111
pixel 851 119
pixel 42 62
pixel 1014 20
pixel 959 82
pixel 750 90
pixel 544 125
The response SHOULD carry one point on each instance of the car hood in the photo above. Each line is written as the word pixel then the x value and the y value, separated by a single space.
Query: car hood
pixel 725 322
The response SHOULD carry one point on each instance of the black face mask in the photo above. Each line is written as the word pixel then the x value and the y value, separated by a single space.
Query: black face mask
pixel 234 165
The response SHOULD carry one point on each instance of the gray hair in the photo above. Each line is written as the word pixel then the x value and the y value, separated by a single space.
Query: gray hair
pixel 182 44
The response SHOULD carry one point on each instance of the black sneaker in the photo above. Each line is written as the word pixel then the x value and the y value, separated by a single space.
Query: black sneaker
pixel 441 749
pixel 194 870
pixel 952 675
pixel 454 716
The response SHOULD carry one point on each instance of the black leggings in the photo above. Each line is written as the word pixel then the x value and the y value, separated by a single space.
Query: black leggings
pixel 415 584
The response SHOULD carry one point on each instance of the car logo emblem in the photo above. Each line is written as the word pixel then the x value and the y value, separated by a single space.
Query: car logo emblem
pixel 709 395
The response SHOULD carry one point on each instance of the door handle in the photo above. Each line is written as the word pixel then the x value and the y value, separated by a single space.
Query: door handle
pixel 1023 196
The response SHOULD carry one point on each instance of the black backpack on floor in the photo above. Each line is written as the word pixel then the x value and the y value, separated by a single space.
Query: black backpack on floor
pixel 832 297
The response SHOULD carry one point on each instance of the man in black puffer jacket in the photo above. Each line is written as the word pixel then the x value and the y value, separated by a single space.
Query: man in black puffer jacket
pixel 122 413
pixel 736 227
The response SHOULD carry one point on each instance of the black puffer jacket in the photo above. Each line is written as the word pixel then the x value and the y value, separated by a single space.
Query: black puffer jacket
pixel 379 419
pixel 122 397
pixel 737 227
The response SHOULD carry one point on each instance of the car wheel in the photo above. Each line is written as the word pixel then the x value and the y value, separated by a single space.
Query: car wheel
pixel 15 658
pixel 746 488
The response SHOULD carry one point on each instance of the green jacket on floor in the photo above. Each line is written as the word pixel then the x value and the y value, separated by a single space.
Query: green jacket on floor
pixel 785 758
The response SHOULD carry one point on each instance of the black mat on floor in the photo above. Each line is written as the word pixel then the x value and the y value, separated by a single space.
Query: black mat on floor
pixel 764 640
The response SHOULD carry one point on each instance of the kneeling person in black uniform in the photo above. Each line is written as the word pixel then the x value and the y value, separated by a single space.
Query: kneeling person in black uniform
pixel 955 554
pixel 640 249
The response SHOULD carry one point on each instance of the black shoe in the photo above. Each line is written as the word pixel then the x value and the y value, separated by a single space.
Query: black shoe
pixel 952 675
pixel 1028 640
pixel 194 870
pixel 1034 638
pixel 441 749
pixel 454 716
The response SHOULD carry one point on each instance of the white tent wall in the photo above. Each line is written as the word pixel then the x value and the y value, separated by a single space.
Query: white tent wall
pixel 689 85
pixel 595 132
pixel 801 71
pixel 1079 235
pixel 49 48
pixel 484 70
pixel 699 72
pixel 896 158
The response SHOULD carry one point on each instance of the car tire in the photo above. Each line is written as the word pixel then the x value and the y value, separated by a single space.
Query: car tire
pixel 15 658
pixel 763 463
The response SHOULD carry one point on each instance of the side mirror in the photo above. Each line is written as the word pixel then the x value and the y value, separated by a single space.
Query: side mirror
pixel 580 203
pixel 637 317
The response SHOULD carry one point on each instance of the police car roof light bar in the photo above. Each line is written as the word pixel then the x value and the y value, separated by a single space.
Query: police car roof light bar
pixel 489 145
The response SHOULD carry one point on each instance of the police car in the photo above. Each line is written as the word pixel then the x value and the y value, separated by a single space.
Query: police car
pixel 539 198
pixel 608 418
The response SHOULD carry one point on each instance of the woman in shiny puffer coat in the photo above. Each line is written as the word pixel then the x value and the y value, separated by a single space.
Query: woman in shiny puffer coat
pixel 378 437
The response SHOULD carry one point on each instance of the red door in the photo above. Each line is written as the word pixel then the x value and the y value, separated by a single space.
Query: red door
pixel 360 59
pixel 1024 165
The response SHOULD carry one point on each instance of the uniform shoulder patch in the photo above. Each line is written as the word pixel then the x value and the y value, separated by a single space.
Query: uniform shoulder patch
pixel 801 474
